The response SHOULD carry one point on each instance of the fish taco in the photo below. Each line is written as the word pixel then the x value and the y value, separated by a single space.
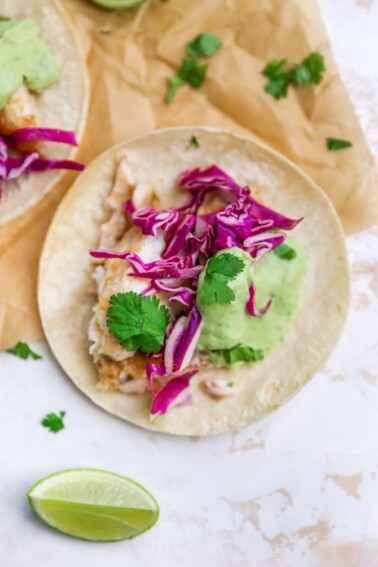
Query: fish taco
pixel 191 288
pixel 43 101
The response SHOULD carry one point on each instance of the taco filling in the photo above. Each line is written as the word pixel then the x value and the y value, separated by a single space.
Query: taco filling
pixel 27 67
pixel 214 282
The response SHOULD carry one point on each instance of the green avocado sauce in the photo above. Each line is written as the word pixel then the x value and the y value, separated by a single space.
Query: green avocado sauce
pixel 24 58
pixel 225 326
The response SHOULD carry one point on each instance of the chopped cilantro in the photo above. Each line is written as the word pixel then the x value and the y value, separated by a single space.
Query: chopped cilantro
pixel 334 144
pixel 23 351
pixel 53 421
pixel 137 321
pixel 220 270
pixel 174 83
pixel 234 355
pixel 280 75
pixel 190 72
pixel 277 88
pixel 310 71
pixel 230 384
pixel 285 252
pixel 194 142
pixel 203 45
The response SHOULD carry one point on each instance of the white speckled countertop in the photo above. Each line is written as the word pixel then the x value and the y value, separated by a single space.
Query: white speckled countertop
pixel 298 489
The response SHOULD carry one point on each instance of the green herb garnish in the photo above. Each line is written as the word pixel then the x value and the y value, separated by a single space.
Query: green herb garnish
pixel 203 45
pixel 334 144
pixel 220 270
pixel 239 353
pixel 137 321
pixel 281 75
pixel 22 350
pixel 173 84
pixel 190 72
pixel 310 71
pixel 285 252
pixel 53 421
pixel 278 73
pixel 194 142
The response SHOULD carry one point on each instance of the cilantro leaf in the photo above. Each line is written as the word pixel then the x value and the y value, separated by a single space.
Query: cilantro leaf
pixel 239 353
pixel 285 252
pixel 192 72
pixel 278 73
pixel 226 264
pixel 310 71
pixel 174 83
pixel 220 270
pixel 137 321
pixel 53 421
pixel 278 88
pixel 281 75
pixel 215 290
pixel 334 144
pixel 276 69
pixel 194 142
pixel 22 350
pixel 203 45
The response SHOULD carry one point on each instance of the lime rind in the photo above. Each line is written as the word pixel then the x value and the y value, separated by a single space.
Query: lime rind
pixel 117 4
pixel 97 522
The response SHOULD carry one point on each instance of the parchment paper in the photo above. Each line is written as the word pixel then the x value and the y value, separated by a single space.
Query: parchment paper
pixel 130 54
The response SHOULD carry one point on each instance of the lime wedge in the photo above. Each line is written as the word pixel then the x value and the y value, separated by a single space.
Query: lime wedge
pixel 93 505
pixel 117 4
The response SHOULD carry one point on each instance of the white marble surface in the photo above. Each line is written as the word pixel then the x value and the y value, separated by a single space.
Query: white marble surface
pixel 298 489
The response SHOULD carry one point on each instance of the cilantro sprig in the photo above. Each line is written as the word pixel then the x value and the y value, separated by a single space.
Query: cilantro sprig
pixel 220 270
pixel 53 421
pixel 192 71
pixel 204 45
pixel 238 353
pixel 23 350
pixel 334 144
pixel 137 321
pixel 281 74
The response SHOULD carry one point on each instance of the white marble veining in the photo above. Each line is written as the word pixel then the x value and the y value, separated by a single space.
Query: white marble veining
pixel 298 489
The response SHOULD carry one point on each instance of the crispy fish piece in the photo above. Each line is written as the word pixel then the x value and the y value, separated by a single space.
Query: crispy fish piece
pixel 19 112
pixel 117 367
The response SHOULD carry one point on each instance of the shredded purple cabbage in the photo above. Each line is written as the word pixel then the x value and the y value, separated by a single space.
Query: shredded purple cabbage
pixel 48 164
pixel 42 135
pixel 190 239
pixel 251 304
pixel 14 163
pixel 176 239
pixel 150 221
pixel 14 167
pixel 170 392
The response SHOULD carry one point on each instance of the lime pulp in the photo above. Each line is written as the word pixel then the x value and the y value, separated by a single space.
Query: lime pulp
pixel 93 505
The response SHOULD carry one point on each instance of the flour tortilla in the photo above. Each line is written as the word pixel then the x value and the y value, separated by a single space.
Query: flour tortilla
pixel 158 158
pixel 63 105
